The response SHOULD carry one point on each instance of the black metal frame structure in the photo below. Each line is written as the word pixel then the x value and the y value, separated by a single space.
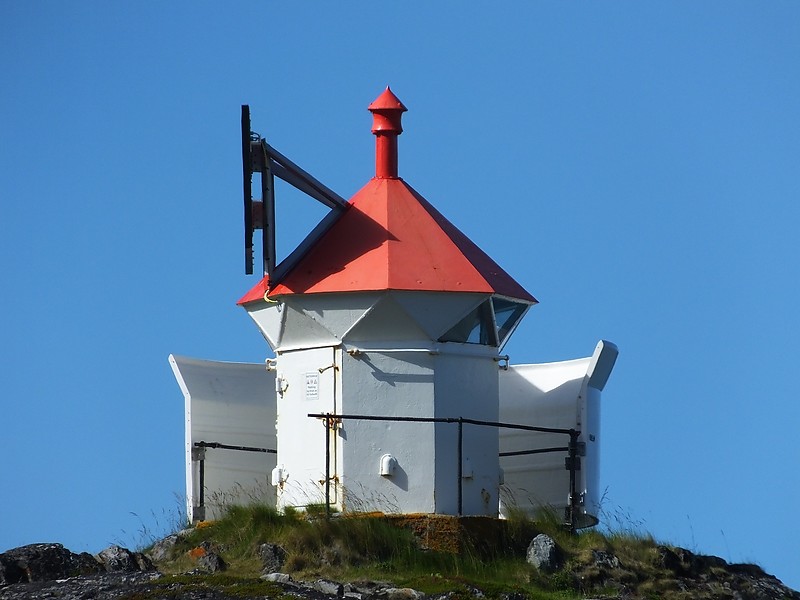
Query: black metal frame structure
pixel 260 157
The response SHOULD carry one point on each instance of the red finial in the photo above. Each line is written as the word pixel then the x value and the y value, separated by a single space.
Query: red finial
pixel 387 111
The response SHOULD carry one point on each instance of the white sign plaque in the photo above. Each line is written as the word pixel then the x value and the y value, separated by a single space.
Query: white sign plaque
pixel 312 386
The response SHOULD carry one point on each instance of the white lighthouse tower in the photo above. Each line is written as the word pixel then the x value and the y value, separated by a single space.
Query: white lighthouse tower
pixel 392 313
pixel 387 391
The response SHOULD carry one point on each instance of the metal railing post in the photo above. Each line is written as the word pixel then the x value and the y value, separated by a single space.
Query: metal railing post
pixel 199 456
pixel 573 465
pixel 202 500
pixel 460 465
pixel 328 467
pixel 198 504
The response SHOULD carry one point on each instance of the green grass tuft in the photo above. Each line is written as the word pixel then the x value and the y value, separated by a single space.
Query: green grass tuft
pixel 362 547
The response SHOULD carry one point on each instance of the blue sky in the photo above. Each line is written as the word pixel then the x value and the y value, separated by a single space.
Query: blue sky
pixel 633 164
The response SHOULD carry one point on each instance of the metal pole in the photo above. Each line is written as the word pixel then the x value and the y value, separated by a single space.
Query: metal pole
pixel 216 445
pixel 202 487
pixel 573 467
pixel 447 420
pixel 328 467
pixel 460 465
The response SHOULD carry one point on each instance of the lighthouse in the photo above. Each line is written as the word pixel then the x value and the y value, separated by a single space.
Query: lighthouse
pixel 393 312
pixel 387 389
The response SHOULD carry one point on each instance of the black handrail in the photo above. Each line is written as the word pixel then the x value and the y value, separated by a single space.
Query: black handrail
pixel 202 466
pixel 229 447
pixel 572 461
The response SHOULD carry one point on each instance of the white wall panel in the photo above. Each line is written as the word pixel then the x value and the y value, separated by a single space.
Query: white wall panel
pixel 386 321
pixel 467 386
pixel 436 312
pixel 389 384
pixel 563 395
pixel 337 312
pixel 269 317
pixel 232 404
pixel 302 330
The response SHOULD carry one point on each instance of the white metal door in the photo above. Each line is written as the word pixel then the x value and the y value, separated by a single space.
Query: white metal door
pixel 306 385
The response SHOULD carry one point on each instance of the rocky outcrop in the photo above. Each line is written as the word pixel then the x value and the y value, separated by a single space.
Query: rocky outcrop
pixel 42 562
pixel 116 559
pixel 676 573
pixel 46 562
pixel 106 586
pixel 50 571
pixel 162 549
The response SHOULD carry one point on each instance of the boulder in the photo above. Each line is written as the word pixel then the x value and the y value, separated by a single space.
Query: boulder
pixel 543 553
pixel 44 562
pixel 278 578
pixel 393 593
pixel 117 559
pixel 272 557
pixel 329 588
pixel 163 548
pixel 605 559
pixel 212 563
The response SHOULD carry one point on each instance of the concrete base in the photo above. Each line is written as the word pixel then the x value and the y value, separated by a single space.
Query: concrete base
pixel 484 536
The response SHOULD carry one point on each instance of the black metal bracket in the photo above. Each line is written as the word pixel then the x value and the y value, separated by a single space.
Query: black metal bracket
pixel 260 157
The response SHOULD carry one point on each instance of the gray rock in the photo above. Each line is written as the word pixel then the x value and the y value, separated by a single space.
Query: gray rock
pixel 162 549
pixel 543 553
pixel 329 588
pixel 400 594
pixel 116 559
pixel 44 562
pixel 272 557
pixel 468 591
pixel 366 588
pixel 211 562
pixel 605 559
pixel 278 578
pixel 669 560
pixel 102 586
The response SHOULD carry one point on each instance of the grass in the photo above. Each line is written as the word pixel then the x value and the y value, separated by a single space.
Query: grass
pixel 358 547
pixel 177 587
pixel 351 547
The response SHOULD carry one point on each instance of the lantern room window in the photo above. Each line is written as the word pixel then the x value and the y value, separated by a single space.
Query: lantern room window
pixel 490 324
pixel 507 314
pixel 475 328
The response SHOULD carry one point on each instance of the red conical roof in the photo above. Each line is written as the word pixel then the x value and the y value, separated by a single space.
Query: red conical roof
pixel 391 238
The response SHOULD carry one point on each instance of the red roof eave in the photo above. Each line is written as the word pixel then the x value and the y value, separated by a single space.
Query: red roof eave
pixel 256 293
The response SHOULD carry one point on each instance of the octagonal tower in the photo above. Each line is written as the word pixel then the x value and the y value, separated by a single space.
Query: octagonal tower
pixel 390 312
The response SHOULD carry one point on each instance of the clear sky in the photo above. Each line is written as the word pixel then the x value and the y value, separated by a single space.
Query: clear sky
pixel 635 165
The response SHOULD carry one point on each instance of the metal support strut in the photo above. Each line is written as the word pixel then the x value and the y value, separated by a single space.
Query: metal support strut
pixel 201 499
pixel 573 464
pixel 460 466
pixel 328 421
